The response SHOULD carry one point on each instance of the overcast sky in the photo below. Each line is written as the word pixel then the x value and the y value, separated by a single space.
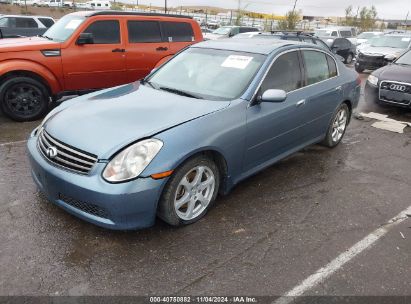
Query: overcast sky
pixel 387 9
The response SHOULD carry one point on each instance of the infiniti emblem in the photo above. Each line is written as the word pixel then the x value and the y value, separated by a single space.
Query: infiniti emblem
pixel 51 152
pixel 398 87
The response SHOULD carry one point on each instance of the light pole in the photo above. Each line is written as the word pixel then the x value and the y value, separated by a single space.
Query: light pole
pixel 165 6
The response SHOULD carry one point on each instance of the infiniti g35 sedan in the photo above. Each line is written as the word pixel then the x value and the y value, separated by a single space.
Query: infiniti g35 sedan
pixel 213 115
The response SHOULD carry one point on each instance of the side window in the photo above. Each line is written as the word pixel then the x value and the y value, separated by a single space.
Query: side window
pixel 4 22
pixel 308 40
pixel 321 43
pixel 284 74
pixel 26 23
pixel 105 31
pixel 143 31
pixel 346 33
pixel 334 34
pixel 316 66
pixel 292 38
pixel 332 67
pixel 178 31
pixel 46 22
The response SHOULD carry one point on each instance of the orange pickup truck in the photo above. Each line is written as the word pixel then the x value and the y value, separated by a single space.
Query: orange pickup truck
pixel 86 51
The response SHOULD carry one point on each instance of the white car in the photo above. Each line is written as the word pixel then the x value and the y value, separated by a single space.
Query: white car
pixel 364 37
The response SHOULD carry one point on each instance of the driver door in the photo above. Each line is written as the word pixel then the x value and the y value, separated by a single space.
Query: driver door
pixel 101 64
pixel 275 128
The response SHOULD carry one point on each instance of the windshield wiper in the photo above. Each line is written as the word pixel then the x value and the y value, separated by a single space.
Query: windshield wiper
pixel 144 81
pixel 47 37
pixel 180 92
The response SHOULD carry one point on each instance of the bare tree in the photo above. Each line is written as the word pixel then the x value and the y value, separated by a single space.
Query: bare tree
pixel 290 21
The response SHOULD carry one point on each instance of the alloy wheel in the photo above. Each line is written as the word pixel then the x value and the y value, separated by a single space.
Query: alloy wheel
pixel 339 125
pixel 194 192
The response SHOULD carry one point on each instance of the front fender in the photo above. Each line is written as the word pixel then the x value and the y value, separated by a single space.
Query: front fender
pixel 222 131
pixel 32 67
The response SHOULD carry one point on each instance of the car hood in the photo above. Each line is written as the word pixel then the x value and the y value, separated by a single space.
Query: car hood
pixel 394 72
pixel 26 44
pixel 104 122
pixel 381 51
pixel 211 36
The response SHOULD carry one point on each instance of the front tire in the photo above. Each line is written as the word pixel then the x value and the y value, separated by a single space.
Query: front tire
pixel 24 98
pixel 190 192
pixel 337 127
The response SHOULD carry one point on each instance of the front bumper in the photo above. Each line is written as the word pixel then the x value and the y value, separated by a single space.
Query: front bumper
pixel 123 206
pixel 369 62
pixel 372 94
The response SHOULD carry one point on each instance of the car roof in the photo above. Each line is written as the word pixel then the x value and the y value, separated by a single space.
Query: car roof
pixel 25 16
pixel 125 13
pixel 259 46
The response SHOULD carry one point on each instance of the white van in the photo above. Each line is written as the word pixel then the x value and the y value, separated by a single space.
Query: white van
pixel 338 31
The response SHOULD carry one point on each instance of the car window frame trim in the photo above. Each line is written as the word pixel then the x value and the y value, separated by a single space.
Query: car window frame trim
pixel 253 98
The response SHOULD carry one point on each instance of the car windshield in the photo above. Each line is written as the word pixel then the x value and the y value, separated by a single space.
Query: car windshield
pixel 64 28
pixel 323 33
pixel 208 73
pixel 404 59
pixel 399 42
pixel 222 31
pixel 367 35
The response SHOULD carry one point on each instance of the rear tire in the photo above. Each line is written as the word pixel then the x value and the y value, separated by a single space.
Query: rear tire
pixel 24 98
pixel 190 192
pixel 337 127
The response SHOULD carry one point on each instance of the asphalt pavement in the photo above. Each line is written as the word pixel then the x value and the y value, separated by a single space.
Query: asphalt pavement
pixel 272 232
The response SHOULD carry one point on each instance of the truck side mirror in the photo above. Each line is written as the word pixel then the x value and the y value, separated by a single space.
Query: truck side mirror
pixel 85 38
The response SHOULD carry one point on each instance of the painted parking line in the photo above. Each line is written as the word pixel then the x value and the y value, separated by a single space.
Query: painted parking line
pixel 321 274
pixel 13 143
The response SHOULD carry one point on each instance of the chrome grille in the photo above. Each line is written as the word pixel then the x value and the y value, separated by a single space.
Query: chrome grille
pixel 65 156
pixel 395 92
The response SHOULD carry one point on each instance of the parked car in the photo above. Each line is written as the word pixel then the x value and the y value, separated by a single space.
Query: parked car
pixel 285 35
pixel 213 115
pixel 14 26
pixel 365 37
pixel 382 50
pixel 338 31
pixel 229 31
pixel 342 47
pixel 391 85
pixel 86 51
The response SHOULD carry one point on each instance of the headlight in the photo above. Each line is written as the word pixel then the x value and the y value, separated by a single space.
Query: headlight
pixel 130 162
pixel 390 57
pixel 373 80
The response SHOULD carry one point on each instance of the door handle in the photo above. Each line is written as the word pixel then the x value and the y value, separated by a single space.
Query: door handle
pixel 338 88
pixel 300 103
pixel 118 50
pixel 161 48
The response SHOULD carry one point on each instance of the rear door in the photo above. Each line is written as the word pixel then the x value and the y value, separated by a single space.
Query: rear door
pixel 323 92
pixel 179 34
pixel 98 65
pixel 145 47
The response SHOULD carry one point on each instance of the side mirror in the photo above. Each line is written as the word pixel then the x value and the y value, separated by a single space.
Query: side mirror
pixel 85 38
pixel 273 96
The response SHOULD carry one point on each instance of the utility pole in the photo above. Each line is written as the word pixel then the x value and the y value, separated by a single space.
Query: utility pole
pixel 406 19
pixel 295 4
pixel 165 6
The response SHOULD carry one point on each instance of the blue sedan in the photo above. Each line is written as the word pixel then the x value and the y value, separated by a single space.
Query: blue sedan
pixel 210 117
